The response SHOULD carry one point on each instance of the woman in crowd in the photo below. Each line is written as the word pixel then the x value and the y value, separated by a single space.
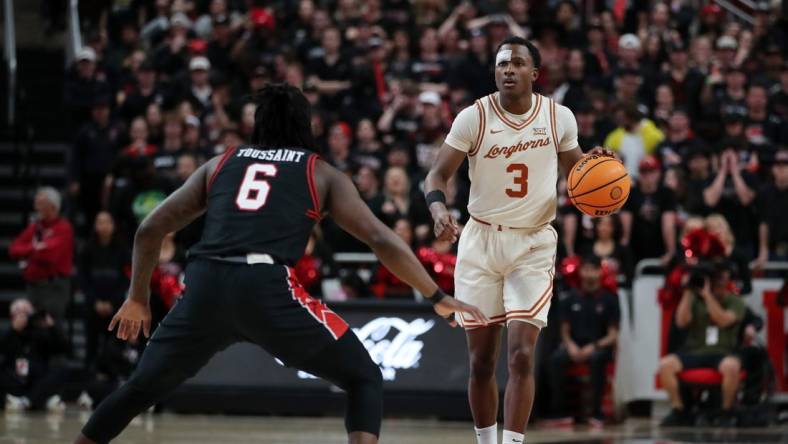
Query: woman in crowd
pixel 401 203
pixel 718 226
pixel 616 257
pixel 138 135
pixel 385 285
pixel 104 263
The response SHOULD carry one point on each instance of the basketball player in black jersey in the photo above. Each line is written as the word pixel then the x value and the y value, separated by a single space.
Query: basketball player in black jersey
pixel 261 203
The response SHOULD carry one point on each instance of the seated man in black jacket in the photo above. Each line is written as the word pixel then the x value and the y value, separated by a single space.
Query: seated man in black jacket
pixel 589 331
pixel 115 361
pixel 754 359
pixel 27 377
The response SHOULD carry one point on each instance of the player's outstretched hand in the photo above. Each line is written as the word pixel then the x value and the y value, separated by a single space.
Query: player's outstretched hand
pixel 132 317
pixel 448 306
pixel 446 227
pixel 602 151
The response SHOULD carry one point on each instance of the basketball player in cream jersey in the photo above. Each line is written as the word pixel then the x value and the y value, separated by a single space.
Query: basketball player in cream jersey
pixel 515 141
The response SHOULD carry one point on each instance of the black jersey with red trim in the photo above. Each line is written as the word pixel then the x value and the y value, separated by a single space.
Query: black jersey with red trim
pixel 260 200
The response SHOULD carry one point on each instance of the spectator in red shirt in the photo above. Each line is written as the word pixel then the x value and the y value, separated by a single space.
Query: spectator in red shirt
pixel 46 250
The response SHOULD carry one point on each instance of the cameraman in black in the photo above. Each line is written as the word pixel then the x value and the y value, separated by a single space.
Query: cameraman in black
pixel 711 315
pixel 27 377
pixel 115 361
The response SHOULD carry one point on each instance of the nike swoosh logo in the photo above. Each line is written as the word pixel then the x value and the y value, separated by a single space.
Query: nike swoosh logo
pixel 492 131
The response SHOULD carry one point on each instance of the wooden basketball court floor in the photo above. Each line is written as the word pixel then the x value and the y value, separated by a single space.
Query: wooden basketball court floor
pixel 35 428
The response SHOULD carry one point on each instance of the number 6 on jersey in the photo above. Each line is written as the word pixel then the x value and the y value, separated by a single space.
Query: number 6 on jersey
pixel 254 192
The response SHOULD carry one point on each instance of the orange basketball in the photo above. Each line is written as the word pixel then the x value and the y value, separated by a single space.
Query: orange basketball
pixel 598 185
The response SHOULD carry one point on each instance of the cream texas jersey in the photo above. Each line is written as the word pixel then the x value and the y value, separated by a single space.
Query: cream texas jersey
pixel 513 159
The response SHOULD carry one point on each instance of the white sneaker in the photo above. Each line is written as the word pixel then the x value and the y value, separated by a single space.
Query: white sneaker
pixel 85 401
pixel 16 403
pixel 55 404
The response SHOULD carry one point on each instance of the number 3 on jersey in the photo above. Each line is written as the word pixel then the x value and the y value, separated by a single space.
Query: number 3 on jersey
pixel 520 179
pixel 253 192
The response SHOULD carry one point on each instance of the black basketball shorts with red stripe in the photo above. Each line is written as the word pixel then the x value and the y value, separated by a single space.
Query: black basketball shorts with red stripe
pixel 225 303
pixel 263 304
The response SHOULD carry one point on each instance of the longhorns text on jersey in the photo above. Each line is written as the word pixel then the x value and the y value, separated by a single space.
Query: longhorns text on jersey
pixel 513 159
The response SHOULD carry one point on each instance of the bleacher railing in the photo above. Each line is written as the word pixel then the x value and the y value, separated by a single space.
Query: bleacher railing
pixel 73 33
pixel 355 258
pixel 655 264
pixel 9 54
pixel 640 269
pixel 735 9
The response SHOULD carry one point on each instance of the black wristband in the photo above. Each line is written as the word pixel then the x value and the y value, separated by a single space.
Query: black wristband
pixel 435 196
pixel 437 296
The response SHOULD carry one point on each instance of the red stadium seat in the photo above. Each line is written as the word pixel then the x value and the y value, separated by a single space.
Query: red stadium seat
pixel 705 376
pixel 582 373
pixel 776 337
pixel 579 370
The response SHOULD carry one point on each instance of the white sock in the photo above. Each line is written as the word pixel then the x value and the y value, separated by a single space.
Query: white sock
pixel 510 437
pixel 487 435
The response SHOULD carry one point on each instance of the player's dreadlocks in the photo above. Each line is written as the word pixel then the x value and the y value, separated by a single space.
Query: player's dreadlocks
pixel 283 118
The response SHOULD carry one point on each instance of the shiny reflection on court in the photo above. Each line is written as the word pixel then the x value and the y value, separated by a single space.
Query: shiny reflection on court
pixel 39 428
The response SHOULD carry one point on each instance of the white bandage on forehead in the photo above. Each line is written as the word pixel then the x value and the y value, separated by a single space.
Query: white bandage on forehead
pixel 504 55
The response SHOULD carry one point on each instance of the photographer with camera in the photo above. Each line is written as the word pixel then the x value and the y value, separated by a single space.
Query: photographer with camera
pixel 27 377
pixel 711 314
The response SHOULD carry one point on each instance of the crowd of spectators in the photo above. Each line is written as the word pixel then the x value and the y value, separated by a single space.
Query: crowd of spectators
pixel 692 99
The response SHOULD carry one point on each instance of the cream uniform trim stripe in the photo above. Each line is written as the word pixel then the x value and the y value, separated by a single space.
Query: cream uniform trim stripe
pixel 482 128
pixel 514 125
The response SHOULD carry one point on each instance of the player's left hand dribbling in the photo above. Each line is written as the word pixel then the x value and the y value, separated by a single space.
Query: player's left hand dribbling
pixel 132 317
pixel 448 306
